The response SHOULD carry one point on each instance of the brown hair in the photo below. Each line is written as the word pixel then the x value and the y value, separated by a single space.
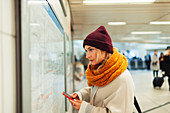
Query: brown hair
pixel 107 56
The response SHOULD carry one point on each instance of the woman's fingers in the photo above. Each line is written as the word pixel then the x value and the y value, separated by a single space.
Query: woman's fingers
pixel 75 95
pixel 76 103
pixel 71 101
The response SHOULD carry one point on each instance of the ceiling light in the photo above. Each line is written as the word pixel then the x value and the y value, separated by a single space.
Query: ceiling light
pixel 76 2
pixel 131 38
pixel 157 41
pixel 160 22
pixel 116 23
pixel 164 37
pixel 117 1
pixel 148 32
pixel 37 2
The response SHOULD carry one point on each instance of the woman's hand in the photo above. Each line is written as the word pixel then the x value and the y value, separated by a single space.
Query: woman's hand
pixel 76 103
pixel 75 96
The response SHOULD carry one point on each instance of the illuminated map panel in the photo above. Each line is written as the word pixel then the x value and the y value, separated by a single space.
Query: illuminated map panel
pixel 47 61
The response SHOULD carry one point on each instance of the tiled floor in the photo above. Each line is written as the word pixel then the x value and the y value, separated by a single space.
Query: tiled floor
pixel 147 96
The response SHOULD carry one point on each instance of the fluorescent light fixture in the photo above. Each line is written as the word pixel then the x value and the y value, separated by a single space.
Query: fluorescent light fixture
pixel 146 32
pixel 131 38
pixel 37 2
pixel 76 2
pixel 116 1
pixel 116 23
pixel 156 41
pixel 160 22
pixel 164 37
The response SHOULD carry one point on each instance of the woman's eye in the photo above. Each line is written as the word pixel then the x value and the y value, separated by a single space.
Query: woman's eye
pixel 91 49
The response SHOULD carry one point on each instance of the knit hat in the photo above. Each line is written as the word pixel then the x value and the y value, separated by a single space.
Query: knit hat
pixel 99 39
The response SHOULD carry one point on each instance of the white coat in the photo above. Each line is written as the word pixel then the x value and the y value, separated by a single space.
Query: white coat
pixel 155 58
pixel 116 97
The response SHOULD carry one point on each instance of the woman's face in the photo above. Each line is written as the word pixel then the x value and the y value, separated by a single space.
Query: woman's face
pixel 94 55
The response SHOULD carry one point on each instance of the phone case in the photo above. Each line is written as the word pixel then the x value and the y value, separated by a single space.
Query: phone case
pixel 67 95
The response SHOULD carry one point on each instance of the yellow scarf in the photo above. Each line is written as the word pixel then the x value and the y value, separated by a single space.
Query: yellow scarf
pixel 113 67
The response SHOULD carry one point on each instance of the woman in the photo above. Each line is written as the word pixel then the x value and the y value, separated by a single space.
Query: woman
pixel 155 64
pixel 111 88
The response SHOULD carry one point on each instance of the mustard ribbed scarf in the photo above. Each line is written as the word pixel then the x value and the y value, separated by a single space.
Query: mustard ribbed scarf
pixel 113 67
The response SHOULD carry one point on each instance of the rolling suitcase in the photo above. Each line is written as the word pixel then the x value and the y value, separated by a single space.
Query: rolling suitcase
pixel 158 81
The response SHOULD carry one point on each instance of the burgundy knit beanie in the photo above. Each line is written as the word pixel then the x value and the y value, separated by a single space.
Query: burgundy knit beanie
pixel 99 39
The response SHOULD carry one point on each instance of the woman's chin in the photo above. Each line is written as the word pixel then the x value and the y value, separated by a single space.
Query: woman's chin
pixel 92 63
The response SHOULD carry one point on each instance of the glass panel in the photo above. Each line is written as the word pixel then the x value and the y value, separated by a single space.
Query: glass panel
pixel 45 40
pixel 69 67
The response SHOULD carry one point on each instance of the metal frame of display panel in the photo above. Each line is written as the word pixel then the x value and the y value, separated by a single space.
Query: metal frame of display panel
pixel 18 56
pixel 26 80
pixel 65 70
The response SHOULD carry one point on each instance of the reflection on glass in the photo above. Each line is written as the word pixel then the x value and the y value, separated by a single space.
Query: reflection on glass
pixel 47 61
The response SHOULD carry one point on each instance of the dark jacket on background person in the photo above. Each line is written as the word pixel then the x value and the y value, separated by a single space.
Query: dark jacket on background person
pixel 161 60
pixel 166 62
pixel 166 65
pixel 148 61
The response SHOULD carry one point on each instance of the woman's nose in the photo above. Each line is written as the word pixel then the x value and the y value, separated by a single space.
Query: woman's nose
pixel 87 55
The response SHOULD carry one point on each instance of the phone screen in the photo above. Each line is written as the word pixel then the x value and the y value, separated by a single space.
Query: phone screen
pixel 67 95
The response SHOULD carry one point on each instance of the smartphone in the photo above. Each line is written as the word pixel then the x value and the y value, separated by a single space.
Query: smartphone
pixel 67 95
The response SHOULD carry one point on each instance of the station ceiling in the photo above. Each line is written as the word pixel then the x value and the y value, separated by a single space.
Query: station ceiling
pixel 88 17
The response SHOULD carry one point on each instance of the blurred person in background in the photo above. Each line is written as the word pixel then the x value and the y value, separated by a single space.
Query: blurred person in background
pixel 161 59
pixel 155 64
pixel 166 64
pixel 111 87
pixel 84 61
pixel 148 61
